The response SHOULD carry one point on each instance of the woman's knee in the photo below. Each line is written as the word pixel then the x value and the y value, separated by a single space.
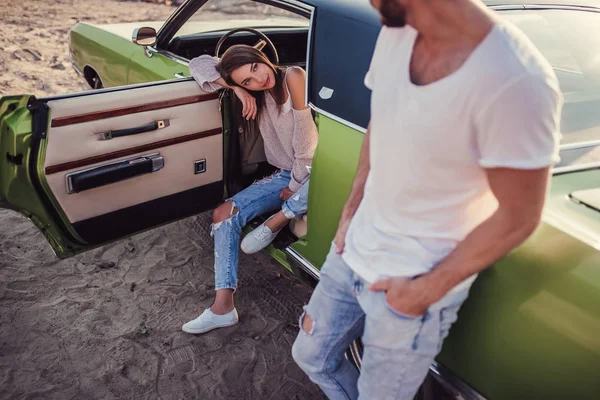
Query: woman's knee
pixel 224 212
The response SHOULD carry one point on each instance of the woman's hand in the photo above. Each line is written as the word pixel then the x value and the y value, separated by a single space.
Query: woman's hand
pixel 248 102
pixel 285 194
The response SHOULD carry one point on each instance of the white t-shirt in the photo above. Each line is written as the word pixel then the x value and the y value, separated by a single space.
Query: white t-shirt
pixel 427 187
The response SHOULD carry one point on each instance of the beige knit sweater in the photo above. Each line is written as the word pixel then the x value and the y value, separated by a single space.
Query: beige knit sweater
pixel 290 137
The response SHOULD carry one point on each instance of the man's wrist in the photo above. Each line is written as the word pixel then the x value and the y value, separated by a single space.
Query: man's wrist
pixel 432 286
pixel 348 212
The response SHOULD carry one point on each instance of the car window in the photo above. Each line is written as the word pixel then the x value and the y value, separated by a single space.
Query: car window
pixel 570 40
pixel 228 14
pixel 342 51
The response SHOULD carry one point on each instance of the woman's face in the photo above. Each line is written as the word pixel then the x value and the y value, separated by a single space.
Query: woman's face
pixel 255 76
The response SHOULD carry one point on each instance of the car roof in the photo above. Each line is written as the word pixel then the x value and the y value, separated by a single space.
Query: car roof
pixel 362 9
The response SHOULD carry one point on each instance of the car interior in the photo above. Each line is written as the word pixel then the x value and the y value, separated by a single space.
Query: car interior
pixel 291 44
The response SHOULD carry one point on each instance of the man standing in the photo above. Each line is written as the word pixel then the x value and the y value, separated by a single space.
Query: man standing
pixel 452 175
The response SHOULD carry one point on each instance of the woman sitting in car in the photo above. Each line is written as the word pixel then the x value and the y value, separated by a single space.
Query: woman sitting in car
pixel 273 99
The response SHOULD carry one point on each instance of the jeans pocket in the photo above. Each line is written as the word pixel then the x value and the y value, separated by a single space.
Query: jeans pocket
pixel 400 314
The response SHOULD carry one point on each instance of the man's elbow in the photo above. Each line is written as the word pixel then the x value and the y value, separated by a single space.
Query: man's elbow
pixel 524 225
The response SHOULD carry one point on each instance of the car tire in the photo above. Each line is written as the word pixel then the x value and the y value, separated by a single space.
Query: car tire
pixel 97 83
pixel 92 78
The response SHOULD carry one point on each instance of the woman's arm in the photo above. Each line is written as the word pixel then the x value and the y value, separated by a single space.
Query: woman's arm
pixel 203 70
pixel 305 135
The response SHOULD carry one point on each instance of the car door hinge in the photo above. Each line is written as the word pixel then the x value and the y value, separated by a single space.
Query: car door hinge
pixel 39 111
pixel 17 160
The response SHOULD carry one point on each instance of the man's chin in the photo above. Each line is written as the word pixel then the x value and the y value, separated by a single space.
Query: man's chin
pixel 392 23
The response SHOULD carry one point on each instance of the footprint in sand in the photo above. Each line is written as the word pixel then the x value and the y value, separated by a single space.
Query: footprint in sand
pixel 27 55
pixel 23 286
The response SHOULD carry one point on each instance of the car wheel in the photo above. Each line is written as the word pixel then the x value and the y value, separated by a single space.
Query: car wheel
pixel 92 78
pixel 96 83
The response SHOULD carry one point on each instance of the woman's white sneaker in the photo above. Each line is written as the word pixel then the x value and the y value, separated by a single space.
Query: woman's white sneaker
pixel 208 321
pixel 258 239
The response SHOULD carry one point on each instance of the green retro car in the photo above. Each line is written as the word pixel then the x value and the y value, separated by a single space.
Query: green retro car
pixel 150 147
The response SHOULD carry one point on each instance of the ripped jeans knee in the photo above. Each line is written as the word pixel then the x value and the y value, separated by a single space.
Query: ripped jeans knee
pixel 307 350
pixel 306 323
pixel 227 236
pixel 232 213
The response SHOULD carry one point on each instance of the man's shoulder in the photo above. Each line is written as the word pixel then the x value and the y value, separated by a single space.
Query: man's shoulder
pixel 509 58
pixel 516 55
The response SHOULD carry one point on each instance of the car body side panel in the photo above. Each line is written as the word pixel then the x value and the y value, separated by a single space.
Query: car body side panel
pixel 144 69
pixel 531 325
pixel 107 53
pixel 333 170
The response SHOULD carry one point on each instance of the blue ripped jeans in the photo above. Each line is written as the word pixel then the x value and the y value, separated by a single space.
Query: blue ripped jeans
pixel 398 349
pixel 259 198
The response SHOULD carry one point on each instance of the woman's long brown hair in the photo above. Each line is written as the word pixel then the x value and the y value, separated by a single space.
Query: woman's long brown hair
pixel 240 55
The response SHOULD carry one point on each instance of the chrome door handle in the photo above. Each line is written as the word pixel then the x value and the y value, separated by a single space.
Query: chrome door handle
pixel 113 172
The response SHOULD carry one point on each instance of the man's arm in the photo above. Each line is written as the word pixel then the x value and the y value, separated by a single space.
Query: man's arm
pixel 521 195
pixel 356 194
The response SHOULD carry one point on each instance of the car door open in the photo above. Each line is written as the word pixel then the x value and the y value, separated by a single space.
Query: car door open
pixel 108 164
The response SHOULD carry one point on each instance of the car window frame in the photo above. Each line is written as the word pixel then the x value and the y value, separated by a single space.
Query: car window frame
pixel 180 16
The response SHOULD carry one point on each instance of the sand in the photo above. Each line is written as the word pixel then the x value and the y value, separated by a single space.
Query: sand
pixel 106 324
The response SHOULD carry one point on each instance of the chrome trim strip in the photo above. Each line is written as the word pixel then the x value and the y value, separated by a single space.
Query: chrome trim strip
pixel 449 380
pixel 300 5
pixel 337 119
pixel 507 7
pixel 79 72
pixel 575 168
pixel 308 53
pixel 303 262
pixel 172 56
pixel 580 145
pixel 303 6
pixel 560 7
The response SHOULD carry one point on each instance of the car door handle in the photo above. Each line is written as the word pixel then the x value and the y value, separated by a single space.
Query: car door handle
pixel 179 75
pixel 106 174
pixel 154 126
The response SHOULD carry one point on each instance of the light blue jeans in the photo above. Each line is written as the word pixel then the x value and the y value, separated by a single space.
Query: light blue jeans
pixel 398 349
pixel 259 198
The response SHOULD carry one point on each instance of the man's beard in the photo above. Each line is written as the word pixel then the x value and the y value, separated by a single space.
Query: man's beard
pixel 392 14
